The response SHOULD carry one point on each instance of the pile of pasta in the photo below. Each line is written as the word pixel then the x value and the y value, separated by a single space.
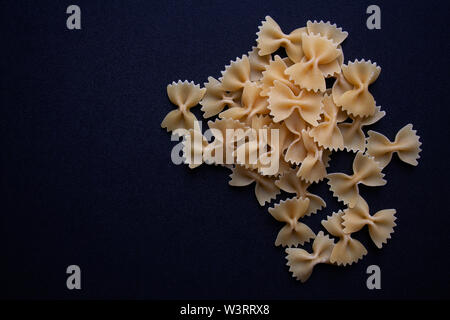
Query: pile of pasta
pixel 262 89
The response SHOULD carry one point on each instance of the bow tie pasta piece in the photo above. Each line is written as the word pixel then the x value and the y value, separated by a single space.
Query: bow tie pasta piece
pixel 275 71
pixel 350 91
pixel 257 64
pixel 327 133
pixel 301 263
pixel 271 38
pixel 365 171
pixel 320 61
pixel 327 30
pixel 226 133
pixel 237 74
pixel 313 167
pixel 406 145
pixel 283 102
pixel 347 250
pixel 184 95
pixel 289 182
pixel 295 152
pixel 354 139
pixel 381 224
pixel 294 232
pixel 252 104
pixel 193 144
pixel 217 98
pixel 265 188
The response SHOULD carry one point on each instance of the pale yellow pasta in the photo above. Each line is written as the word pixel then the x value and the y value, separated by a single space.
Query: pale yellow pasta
pixel 271 38
pixel 327 133
pixel 258 64
pixel 276 125
pixel 320 60
pixel 312 168
pixel 354 139
pixel 265 188
pixel 350 91
pixel 289 212
pixel 406 145
pixel 295 152
pixel 251 104
pixel 365 171
pixel 184 95
pixel 347 250
pixel 220 151
pixel 193 144
pixel 217 98
pixel 301 263
pixel 275 71
pixel 381 224
pixel 283 102
pixel 327 30
pixel 236 74
pixel 289 182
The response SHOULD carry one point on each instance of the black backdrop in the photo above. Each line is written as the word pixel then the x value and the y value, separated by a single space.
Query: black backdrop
pixel 86 176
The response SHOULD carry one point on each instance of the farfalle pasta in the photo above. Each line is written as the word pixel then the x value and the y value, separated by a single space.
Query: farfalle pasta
pixel 291 183
pixel 275 70
pixel 271 38
pixel 347 250
pixel 313 166
pixel 275 123
pixel 289 212
pixel 365 171
pixel 406 145
pixel 381 224
pixel 283 102
pixel 251 104
pixel 184 95
pixel 237 74
pixel 265 188
pixel 295 152
pixel 327 133
pixel 320 61
pixel 301 263
pixel 350 91
pixel 257 64
pixel 217 98
pixel 327 30
pixel 354 138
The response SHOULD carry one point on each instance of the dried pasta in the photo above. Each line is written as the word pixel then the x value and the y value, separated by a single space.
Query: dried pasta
pixel 354 138
pixel 350 91
pixel 275 124
pixel 217 98
pixel 365 171
pixel 283 102
pixel 291 183
pixel 381 224
pixel 327 133
pixel 347 250
pixel 301 263
pixel 406 145
pixel 271 38
pixel 289 212
pixel 320 61
pixel 265 188
pixel 184 95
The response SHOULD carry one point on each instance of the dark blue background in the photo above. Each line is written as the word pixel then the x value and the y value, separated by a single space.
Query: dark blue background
pixel 86 176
